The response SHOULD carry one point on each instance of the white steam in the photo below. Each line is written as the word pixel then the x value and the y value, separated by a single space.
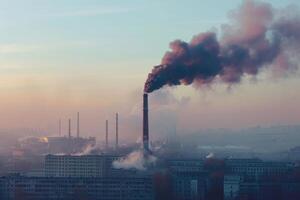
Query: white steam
pixel 87 150
pixel 135 160
pixel 210 155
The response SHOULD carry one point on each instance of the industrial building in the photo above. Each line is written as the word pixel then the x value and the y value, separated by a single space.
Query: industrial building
pixel 80 166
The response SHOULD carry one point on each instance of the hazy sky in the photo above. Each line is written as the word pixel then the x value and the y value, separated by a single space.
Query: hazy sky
pixel 58 57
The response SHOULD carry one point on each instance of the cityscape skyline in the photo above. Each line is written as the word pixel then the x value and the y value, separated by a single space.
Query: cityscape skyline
pixel 149 100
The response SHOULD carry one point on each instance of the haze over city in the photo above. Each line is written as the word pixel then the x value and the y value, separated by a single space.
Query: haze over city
pixel 94 56
pixel 149 100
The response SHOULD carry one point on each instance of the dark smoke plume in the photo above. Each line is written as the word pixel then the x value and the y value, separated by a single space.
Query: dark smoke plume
pixel 257 37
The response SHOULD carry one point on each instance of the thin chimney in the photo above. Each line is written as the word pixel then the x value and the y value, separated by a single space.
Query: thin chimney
pixel 145 123
pixel 106 133
pixel 69 128
pixel 117 130
pixel 59 127
pixel 77 124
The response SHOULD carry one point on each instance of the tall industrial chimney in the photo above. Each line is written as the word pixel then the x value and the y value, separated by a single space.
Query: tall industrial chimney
pixel 106 133
pixel 145 123
pixel 77 124
pixel 117 130
pixel 69 128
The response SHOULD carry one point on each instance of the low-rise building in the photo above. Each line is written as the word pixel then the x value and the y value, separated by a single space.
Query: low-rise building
pixel 260 180
pixel 232 186
pixel 16 187
pixel 188 179
pixel 254 169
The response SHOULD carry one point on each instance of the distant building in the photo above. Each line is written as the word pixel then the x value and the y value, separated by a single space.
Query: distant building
pixel 71 188
pixel 188 179
pixel 294 153
pixel 291 189
pixel 260 190
pixel 254 169
pixel 260 180
pixel 237 189
pixel 177 165
pixel 232 186
pixel 79 166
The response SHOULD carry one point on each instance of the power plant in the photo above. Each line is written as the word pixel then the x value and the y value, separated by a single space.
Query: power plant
pixel 70 144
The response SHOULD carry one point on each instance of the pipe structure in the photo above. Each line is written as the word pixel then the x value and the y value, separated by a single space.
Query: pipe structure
pixel 77 124
pixel 59 127
pixel 69 128
pixel 117 130
pixel 106 133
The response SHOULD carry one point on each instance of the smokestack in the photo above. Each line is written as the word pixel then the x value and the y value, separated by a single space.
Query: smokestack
pixel 117 130
pixel 59 127
pixel 77 124
pixel 69 128
pixel 106 133
pixel 145 123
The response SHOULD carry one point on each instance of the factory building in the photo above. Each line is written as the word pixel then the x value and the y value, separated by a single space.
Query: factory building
pixel 80 166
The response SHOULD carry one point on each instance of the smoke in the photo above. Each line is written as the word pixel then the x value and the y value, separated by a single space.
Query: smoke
pixel 165 112
pixel 165 98
pixel 88 149
pixel 210 155
pixel 30 139
pixel 135 160
pixel 257 37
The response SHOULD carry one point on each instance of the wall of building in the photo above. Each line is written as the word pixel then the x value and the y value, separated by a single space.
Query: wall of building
pixel 79 166
pixel 67 188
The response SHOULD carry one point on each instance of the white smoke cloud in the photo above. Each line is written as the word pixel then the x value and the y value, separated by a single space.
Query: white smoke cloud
pixel 60 154
pixel 139 140
pixel 210 155
pixel 135 160
pixel 87 150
